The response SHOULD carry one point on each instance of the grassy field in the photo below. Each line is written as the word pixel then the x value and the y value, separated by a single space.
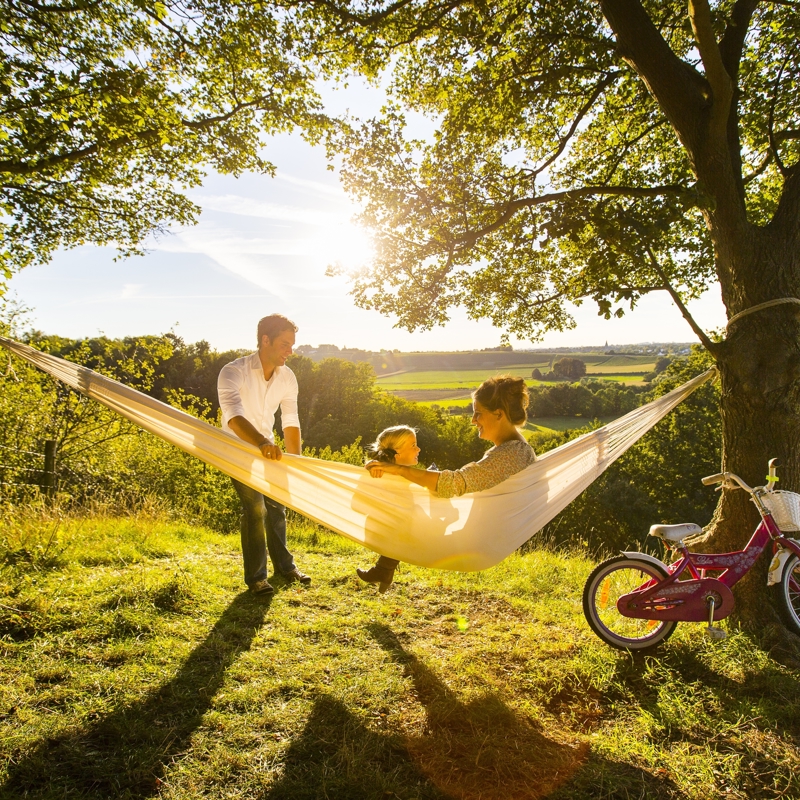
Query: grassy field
pixel 440 385
pixel 445 379
pixel 134 666
pixel 553 424
pixel 463 397
pixel 623 369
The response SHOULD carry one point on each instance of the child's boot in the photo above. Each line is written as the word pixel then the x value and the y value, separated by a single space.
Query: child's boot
pixel 382 573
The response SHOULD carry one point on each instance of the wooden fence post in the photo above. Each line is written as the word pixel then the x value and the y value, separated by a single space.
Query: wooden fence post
pixel 49 482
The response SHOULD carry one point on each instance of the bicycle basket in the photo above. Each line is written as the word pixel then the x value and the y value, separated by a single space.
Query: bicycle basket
pixel 785 509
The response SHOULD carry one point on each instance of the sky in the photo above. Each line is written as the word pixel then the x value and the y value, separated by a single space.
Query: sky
pixel 262 246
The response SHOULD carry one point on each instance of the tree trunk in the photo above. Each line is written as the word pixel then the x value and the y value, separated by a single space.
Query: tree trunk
pixel 759 364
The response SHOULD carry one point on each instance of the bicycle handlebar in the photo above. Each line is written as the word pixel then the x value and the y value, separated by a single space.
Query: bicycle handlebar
pixel 726 476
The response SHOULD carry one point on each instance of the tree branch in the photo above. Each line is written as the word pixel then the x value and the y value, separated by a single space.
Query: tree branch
pixel 759 169
pixel 58 9
pixel 345 15
pixel 773 143
pixel 508 210
pixel 731 45
pixel 681 91
pixel 731 48
pixel 721 83
pixel 582 112
pixel 676 298
pixel 14 167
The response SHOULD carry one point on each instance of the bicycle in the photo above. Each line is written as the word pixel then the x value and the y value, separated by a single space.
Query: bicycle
pixel 634 601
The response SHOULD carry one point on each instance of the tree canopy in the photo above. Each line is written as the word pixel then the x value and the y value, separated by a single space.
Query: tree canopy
pixel 571 368
pixel 110 110
pixel 582 151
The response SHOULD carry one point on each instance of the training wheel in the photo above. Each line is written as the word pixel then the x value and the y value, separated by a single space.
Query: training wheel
pixel 717 634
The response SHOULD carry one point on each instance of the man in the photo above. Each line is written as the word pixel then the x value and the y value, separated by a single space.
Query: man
pixel 250 390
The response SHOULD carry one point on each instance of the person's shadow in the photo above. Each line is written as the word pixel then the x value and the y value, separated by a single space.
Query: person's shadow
pixel 124 753
pixel 482 748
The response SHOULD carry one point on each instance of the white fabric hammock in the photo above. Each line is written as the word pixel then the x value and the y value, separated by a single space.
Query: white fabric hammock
pixel 388 515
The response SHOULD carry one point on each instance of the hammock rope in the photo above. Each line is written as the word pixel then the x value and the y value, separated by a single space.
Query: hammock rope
pixel 388 515
pixel 761 307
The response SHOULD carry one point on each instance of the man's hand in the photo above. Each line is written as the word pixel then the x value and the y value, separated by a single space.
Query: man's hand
pixel 270 451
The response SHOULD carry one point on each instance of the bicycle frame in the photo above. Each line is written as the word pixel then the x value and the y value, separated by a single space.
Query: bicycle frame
pixel 690 600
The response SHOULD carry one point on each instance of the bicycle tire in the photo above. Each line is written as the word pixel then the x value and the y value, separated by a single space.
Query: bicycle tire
pixel 607 583
pixel 787 593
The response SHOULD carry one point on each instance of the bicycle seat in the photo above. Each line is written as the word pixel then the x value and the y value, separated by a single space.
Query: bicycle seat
pixel 675 533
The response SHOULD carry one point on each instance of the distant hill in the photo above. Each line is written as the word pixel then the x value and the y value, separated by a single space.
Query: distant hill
pixel 390 361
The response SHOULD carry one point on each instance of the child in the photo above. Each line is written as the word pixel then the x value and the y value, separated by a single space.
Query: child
pixel 395 445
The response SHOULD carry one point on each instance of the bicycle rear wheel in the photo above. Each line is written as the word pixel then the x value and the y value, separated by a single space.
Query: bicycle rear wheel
pixel 607 583
pixel 787 591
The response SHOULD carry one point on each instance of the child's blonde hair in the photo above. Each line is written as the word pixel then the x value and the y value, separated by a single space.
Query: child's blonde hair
pixel 385 447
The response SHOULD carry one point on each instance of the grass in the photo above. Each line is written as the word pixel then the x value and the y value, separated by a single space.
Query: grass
pixel 622 369
pixel 457 402
pixel 443 384
pixel 448 379
pixel 558 424
pixel 134 666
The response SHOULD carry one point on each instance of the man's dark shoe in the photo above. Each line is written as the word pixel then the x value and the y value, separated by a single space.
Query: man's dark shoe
pixel 262 587
pixel 295 575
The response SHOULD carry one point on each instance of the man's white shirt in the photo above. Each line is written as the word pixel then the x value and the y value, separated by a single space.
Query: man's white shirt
pixel 244 392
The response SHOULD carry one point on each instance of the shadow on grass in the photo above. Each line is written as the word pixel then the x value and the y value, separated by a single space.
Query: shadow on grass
pixel 480 749
pixel 124 753
pixel 337 757
pixel 771 689
pixel 751 718
pixel 484 749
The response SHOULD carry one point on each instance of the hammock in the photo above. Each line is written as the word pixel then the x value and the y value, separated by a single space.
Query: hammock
pixel 388 515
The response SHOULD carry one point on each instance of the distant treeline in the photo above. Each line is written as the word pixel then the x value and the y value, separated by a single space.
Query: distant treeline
pixel 588 399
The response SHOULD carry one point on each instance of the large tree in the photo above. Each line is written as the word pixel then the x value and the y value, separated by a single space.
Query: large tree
pixel 596 151
pixel 110 109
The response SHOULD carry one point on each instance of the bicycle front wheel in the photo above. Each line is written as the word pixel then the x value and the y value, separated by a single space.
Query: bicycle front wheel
pixel 787 591
pixel 608 582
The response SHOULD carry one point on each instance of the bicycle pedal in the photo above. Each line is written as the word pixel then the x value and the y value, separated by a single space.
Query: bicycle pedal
pixel 717 634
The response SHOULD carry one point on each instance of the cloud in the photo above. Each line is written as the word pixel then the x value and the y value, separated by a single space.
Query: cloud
pixel 247 207
pixel 324 189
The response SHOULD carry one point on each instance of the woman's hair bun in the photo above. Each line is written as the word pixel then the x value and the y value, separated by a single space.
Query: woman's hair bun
pixel 506 393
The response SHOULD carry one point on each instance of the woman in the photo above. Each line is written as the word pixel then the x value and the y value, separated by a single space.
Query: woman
pixel 499 410
pixel 396 445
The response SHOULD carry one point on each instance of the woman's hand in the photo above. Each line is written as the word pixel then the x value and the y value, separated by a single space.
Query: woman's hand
pixel 377 468
pixel 428 478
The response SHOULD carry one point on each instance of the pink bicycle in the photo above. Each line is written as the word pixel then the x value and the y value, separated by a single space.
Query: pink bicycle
pixel 634 601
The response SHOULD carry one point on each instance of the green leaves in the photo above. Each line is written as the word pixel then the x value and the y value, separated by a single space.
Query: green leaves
pixel 555 173
pixel 108 110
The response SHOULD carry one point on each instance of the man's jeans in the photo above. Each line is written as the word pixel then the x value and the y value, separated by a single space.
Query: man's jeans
pixel 263 528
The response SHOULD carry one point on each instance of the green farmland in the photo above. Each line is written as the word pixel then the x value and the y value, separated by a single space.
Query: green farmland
pixel 449 379
pixel 452 387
